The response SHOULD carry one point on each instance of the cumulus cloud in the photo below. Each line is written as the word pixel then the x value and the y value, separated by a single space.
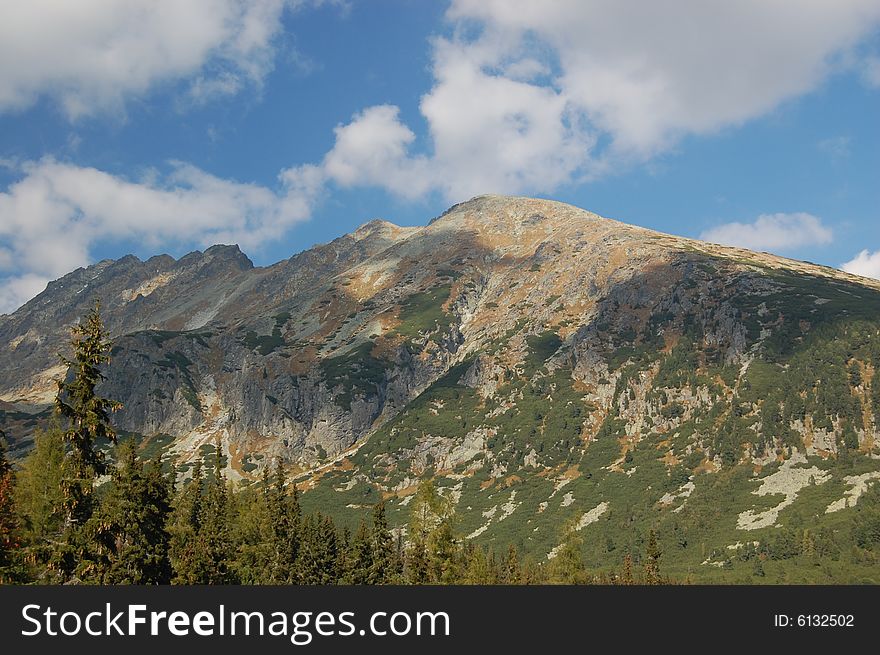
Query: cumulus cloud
pixel 530 96
pixel 53 215
pixel 647 73
pixel 865 263
pixel 92 55
pixel 772 232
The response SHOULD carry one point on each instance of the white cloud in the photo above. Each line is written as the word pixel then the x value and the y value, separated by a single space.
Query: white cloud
pixel 92 55
pixel 772 232
pixel 524 92
pixel 865 263
pixel 372 150
pixel 52 216
pixel 646 73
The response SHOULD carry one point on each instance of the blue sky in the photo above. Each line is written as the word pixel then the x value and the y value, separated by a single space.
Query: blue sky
pixel 148 126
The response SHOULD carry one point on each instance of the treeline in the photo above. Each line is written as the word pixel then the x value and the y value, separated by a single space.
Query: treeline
pixel 144 529
pixel 68 517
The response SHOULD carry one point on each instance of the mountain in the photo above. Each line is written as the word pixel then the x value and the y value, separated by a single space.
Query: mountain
pixel 546 366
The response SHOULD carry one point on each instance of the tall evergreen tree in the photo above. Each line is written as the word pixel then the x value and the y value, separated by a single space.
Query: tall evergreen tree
pixel 510 570
pixel 132 523
pixel 284 516
pixel 213 542
pixel 433 552
pixel 87 415
pixel 184 526
pixel 88 424
pixel 385 566
pixel 479 567
pixel 10 537
pixel 251 533
pixel 318 561
pixel 359 559
pixel 652 560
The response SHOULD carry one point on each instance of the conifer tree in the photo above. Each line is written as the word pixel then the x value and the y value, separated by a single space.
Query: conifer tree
pixel 284 517
pixel 87 415
pixel 132 522
pixel 384 568
pixel 359 558
pixel 417 561
pixel 184 526
pixel 88 424
pixel 213 542
pixel 318 563
pixel 444 565
pixel 10 538
pixel 626 574
pixel 433 549
pixel 479 568
pixel 511 571
pixel 652 562
pixel 251 529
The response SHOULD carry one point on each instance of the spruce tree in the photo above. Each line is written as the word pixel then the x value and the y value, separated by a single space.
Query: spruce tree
pixel 132 520
pixel 10 538
pixel 652 563
pixel 251 528
pixel 184 526
pixel 284 517
pixel 318 562
pixel 359 559
pixel 444 565
pixel 384 568
pixel 511 572
pixel 213 543
pixel 87 416
pixel 417 561
pixel 479 570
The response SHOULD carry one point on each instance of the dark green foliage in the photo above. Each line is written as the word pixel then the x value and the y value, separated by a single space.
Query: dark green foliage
pixel 265 344
pixel 423 313
pixel 319 555
pixel 541 348
pixel 285 517
pixel 180 362
pixel 10 538
pixel 357 372
pixel 184 527
pixel 214 540
pixel 385 565
pixel 130 524
pixel 39 499
pixel 866 529
pixel 86 414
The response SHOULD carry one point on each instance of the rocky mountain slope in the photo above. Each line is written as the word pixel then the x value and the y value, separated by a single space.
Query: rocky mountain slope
pixel 548 367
